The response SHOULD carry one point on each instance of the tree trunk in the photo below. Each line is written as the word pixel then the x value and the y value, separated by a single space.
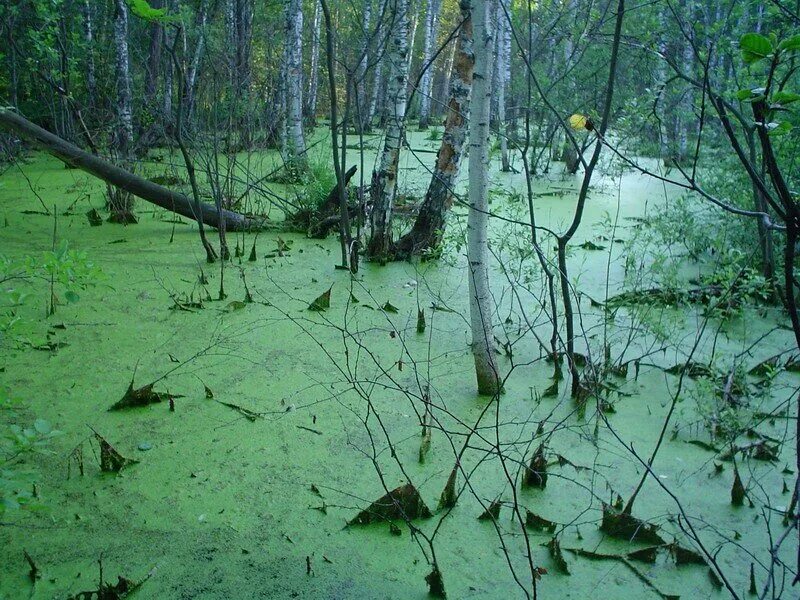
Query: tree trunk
pixel 295 148
pixel 313 79
pixel 169 72
pixel 430 224
pixel 238 27
pixel 384 179
pixel 480 299
pixel 440 109
pixel 568 153
pixel 91 77
pixel 194 66
pixel 121 203
pixel 504 76
pixel 425 87
pixel 413 21
pixel 377 82
pixel 119 177
pixel 361 73
pixel 153 59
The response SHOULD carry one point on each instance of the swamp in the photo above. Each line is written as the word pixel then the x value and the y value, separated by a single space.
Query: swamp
pixel 399 299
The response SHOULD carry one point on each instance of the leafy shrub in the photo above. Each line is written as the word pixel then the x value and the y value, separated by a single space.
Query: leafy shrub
pixel 17 443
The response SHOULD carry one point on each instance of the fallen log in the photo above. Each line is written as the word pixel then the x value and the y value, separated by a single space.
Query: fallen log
pixel 140 187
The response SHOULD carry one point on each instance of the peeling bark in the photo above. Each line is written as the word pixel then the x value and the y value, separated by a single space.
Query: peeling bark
pixel 430 223
pixel 384 179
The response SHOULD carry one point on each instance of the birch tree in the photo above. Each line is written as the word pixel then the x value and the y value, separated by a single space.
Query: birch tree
pixel 377 81
pixel 384 178
pixel 169 69
pixel 361 72
pixel 152 66
pixel 425 84
pixel 503 78
pixel 91 76
pixel 192 74
pixel 429 226
pixel 121 202
pixel 480 300
pixel 313 79
pixel 294 150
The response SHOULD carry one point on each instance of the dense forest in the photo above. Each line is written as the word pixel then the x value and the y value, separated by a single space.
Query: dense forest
pixel 399 299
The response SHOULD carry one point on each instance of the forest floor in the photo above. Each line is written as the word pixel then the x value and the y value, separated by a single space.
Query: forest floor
pixel 229 503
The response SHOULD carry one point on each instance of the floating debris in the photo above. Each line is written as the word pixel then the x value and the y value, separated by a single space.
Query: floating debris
pixel 589 245
pixel 492 512
pixel 143 396
pixel 403 502
pixel 558 556
pixel 536 473
pixel 624 526
pixel 435 583
pixel 95 220
pixel 111 461
pixel 534 521
pixel 248 414
pixel 737 489
pixel 34 573
pixel 425 443
pixel 449 496
pixel 322 302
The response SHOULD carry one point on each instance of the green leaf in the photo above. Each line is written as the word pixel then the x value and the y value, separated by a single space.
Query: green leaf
pixel 143 10
pixel 71 296
pixel 789 44
pixel 754 47
pixel 744 94
pixel 782 128
pixel 42 426
pixel 785 98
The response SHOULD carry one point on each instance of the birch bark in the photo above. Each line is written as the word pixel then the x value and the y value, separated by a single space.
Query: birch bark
pixel 295 145
pixel 431 219
pixel 384 179
pixel 425 87
pixel 480 300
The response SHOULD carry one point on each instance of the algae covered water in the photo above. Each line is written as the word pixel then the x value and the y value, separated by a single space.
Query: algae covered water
pixel 270 426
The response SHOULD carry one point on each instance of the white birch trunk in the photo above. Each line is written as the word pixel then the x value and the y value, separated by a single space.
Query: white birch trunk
pixel 124 132
pixel 197 58
pixel 504 76
pixel 313 79
pixel 413 20
pixel 384 179
pixel 377 81
pixel 91 77
pixel 295 145
pixel 361 73
pixel 425 87
pixel 430 223
pixel 480 299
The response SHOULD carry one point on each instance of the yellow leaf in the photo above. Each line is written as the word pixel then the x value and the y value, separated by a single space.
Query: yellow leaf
pixel 578 122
